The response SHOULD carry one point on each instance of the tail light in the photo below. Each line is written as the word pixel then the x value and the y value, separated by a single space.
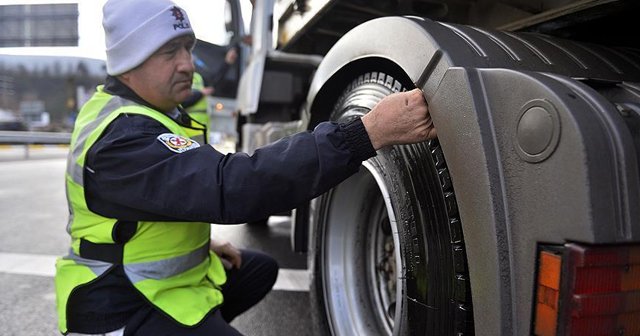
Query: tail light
pixel 588 290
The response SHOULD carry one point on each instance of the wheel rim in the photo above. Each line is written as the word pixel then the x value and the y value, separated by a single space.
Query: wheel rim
pixel 362 256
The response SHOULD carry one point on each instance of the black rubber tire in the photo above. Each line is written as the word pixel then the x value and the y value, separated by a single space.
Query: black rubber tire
pixel 357 287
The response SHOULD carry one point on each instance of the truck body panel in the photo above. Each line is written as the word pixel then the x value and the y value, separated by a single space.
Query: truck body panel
pixel 478 83
pixel 539 127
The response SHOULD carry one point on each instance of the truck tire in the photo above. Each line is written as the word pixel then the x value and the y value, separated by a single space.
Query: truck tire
pixel 388 253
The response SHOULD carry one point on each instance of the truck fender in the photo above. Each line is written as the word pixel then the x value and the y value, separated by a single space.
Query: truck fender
pixel 504 215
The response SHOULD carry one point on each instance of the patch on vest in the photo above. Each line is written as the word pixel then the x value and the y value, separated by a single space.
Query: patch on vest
pixel 177 143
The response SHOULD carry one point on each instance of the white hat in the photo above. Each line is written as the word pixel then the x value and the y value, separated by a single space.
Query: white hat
pixel 135 29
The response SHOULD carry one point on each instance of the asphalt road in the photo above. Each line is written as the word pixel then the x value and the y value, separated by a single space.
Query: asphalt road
pixel 33 216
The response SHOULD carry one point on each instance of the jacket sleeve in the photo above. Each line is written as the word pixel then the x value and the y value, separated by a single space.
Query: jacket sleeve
pixel 131 175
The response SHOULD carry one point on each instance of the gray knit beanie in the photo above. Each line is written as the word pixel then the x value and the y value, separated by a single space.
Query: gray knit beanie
pixel 135 29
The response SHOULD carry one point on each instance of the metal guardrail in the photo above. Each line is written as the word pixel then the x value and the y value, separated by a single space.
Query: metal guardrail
pixel 26 138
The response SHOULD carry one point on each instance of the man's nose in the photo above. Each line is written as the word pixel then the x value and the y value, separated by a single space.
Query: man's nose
pixel 185 62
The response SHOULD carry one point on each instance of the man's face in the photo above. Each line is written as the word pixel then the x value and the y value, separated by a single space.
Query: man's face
pixel 164 79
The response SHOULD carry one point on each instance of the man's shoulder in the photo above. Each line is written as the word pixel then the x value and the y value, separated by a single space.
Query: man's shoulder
pixel 133 122
pixel 130 128
pixel 129 133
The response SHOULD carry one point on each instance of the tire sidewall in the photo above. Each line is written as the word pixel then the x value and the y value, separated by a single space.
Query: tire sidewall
pixel 425 306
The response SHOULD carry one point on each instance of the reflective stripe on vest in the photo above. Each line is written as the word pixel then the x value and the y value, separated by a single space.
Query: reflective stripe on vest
pixel 156 270
pixel 167 262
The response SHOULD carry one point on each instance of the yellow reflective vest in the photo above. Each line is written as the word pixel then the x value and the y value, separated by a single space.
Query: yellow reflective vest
pixel 199 110
pixel 168 262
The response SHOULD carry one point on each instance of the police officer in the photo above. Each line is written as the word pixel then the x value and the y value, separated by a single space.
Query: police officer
pixel 196 105
pixel 142 191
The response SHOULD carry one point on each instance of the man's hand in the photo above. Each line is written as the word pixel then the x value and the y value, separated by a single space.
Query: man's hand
pixel 400 118
pixel 207 91
pixel 229 255
pixel 231 56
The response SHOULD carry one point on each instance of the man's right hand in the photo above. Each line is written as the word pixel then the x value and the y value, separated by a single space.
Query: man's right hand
pixel 400 118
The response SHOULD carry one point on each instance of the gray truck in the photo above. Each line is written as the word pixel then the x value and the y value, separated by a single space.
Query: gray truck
pixel 522 218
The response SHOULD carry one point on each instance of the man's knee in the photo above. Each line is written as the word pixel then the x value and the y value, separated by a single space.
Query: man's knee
pixel 272 269
pixel 268 266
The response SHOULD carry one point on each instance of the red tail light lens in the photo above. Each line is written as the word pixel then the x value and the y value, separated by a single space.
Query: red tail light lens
pixel 588 290
pixel 600 292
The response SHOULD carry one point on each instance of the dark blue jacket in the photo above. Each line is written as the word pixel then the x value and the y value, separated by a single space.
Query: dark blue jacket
pixel 131 175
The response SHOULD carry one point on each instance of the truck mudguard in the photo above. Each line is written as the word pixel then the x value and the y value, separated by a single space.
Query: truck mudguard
pixel 534 137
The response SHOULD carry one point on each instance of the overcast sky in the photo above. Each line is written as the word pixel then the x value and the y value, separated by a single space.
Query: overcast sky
pixel 202 14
